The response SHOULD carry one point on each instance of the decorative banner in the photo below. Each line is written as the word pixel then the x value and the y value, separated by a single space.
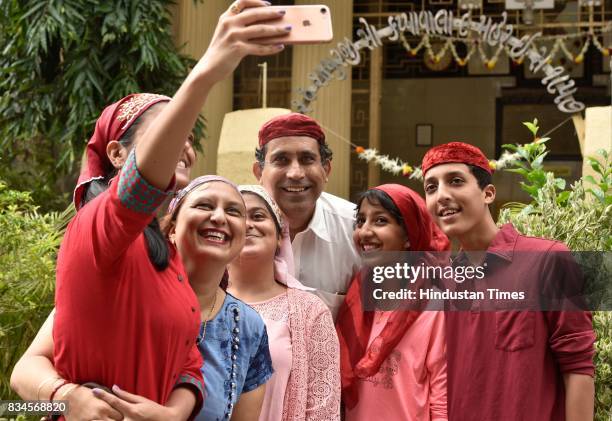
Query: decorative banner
pixel 444 24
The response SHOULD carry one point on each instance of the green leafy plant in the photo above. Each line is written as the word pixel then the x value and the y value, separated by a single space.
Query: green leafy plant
pixel 61 62
pixel 28 248
pixel 581 217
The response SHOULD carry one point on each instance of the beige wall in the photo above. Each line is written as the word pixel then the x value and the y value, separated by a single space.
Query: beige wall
pixel 460 109
pixel 194 24
pixel 332 109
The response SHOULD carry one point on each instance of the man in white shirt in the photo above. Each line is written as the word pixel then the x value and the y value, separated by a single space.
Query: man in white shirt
pixel 293 163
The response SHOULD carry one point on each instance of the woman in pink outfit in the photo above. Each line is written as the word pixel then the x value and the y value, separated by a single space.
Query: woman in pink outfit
pixel 393 363
pixel 303 342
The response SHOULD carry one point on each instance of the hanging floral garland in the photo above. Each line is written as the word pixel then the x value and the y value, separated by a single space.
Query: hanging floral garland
pixel 473 45
pixel 396 166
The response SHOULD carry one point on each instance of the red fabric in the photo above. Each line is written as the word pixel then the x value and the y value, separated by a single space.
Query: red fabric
pixel 509 365
pixel 118 320
pixel 455 152
pixel 293 124
pixel 353 325
pixel 111 125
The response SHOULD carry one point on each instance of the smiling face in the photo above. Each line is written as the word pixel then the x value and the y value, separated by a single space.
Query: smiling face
pixel 455 201
pixel 293 173
pixel 262 236
pixel 376 229
pixel 210 225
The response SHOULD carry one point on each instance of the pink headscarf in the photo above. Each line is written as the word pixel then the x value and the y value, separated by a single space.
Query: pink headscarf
pixel 283 261
pixel 114 121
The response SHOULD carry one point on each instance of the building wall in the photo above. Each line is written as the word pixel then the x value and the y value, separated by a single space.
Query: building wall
pixel 460 109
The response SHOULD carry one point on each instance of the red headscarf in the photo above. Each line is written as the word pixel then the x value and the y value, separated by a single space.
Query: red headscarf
pixel 114 121
pixel 293 124
pixel 455 152
pixel 354 325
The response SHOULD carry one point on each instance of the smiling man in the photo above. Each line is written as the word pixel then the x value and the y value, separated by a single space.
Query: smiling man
pixel 505 365
pixel 293 164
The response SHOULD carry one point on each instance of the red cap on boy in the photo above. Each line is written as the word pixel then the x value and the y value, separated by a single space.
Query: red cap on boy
pixel 455 152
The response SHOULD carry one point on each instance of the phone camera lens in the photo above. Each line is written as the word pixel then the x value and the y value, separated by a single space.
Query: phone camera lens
pixel 323 10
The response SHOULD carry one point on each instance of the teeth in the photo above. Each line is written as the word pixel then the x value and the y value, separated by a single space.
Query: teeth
pixel 448 212
pixel 295 189
pixel 215 235
pixel 181 164
pixel 368 247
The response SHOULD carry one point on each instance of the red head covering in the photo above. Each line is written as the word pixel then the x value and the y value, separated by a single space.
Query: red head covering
pixel 111 125
pixel 455 152
pixel 357 359
pixel 293 124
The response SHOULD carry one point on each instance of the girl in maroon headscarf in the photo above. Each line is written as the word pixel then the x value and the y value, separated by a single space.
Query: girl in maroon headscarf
pixel 125 314
pixel 393 363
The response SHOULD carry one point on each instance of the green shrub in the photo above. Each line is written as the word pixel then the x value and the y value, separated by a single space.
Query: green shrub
pixel 581 217
pixel 28 248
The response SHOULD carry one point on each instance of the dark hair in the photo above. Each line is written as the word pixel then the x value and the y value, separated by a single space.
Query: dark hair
pixel 482 177
pixel 375 197
pixel 157 246
pixel 324 150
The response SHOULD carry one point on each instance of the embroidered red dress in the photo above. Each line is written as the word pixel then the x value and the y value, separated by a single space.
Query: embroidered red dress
pixel 119 320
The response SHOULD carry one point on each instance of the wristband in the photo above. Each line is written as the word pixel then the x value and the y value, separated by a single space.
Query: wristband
pixel 58 387
pixel 43 383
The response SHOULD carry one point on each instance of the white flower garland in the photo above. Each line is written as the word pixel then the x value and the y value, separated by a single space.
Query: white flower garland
pixel 396 166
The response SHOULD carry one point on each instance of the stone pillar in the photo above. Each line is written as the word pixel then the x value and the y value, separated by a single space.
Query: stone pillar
pixel 332 108
pixel 598 135
pixel 194 24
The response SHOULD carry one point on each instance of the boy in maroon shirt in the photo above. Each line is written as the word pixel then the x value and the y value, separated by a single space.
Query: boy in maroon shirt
pixel 505 365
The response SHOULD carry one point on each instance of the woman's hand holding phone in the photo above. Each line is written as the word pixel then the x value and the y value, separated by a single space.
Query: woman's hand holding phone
pixel 239 33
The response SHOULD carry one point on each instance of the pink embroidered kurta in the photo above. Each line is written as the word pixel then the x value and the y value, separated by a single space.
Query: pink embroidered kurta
pixel 309 378
pixel 411 382
pixel 275 313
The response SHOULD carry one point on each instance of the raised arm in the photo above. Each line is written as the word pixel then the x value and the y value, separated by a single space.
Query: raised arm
pixel 235 37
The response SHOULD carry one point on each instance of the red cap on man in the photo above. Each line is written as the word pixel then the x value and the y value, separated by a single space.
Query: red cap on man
pixel 293 124
pixel 455 152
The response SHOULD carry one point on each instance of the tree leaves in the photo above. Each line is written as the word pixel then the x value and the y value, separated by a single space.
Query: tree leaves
pixel 62 62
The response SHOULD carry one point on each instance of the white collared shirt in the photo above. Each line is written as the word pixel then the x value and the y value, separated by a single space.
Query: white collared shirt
pixel 324 254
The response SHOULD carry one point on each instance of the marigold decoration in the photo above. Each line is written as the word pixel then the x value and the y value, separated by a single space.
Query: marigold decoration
pixel 557 43
pixel 406 170
pixel 396 166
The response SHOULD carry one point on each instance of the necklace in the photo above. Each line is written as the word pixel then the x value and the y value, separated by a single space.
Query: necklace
pixel 208 317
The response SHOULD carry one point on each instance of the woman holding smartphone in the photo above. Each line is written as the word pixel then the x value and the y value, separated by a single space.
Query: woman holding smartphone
pixel 123 314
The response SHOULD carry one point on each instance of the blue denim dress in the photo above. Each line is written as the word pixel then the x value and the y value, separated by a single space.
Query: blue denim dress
pixel 236 358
